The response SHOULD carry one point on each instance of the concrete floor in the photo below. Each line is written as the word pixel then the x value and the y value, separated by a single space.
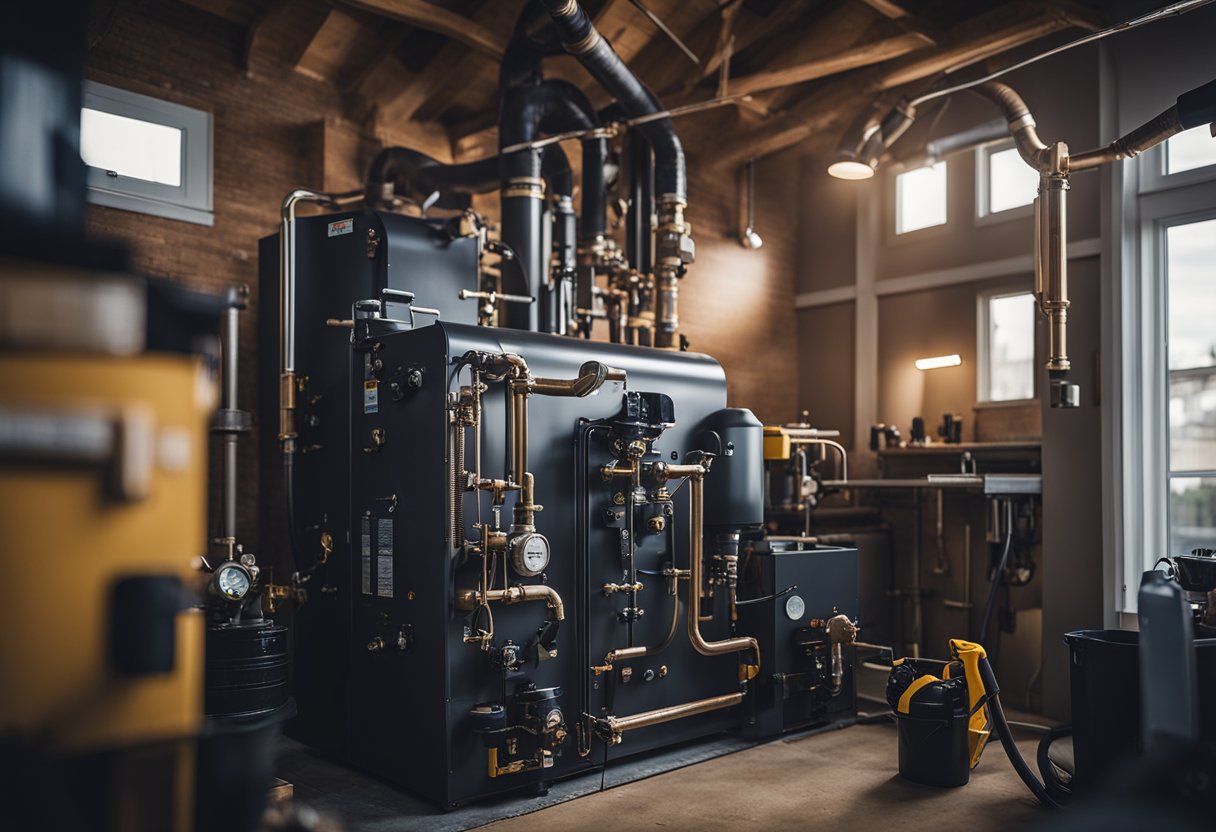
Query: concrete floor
pixel 843 779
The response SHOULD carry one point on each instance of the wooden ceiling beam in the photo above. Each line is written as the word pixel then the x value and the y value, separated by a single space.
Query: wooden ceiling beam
pixel 972 41
pixel 909 22
pixel 865 55
pixel 425 15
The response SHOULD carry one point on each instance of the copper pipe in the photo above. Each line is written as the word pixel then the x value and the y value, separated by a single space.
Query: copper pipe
pixel 622 654
pixel 695 554
pixel 467 599
pixel 620 724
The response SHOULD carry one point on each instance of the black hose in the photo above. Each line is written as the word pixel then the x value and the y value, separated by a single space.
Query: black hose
pixel 1003 731
pixel 997 576
pixel 1047 769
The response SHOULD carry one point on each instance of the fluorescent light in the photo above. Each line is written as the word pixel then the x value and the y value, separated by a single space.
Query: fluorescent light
pixel 938 362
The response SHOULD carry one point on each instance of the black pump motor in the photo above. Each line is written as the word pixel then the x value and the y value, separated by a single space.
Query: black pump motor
pixel 734 489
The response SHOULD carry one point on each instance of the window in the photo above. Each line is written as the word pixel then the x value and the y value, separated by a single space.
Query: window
pixel 1006 346
pixel 1190 149
pixel 1190 251
pixel 920 198
pixel 146 155
pixel 1005 181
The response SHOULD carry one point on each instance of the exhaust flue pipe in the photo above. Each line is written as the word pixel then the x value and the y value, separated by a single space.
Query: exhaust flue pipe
pixel 674 247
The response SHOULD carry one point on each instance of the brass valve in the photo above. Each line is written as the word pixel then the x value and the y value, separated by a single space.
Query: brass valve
pixel 656 524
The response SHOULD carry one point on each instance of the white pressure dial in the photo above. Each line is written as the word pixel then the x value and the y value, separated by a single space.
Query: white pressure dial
pixel 795 607
pixel 530 554
pixel 232 581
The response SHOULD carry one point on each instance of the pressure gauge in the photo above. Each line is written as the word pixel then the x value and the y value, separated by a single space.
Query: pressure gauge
pixel 530 554
pixel 232 581
pixel 795 607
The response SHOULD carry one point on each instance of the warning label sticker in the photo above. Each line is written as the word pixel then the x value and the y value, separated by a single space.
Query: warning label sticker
pixel 384 557
pixel 337 229
pixel 371 396
pixel 366 549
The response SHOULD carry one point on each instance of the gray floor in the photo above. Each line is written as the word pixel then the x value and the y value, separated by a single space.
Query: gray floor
pixel 844 778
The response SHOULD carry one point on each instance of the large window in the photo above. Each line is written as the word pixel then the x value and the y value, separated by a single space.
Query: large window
pixel 1190 149
pixel 1189 259
pixel 1165 497
pixel 920 198
pixel 146 155
pixel 1006 346
pixel 1004 180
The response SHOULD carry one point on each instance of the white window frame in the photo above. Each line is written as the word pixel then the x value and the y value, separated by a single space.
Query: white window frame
pixel 983 347
pixel 983 216
pixel 192 200
pixel 1152 202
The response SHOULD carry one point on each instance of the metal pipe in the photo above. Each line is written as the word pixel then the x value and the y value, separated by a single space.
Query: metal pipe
pixel 287 302
pixel 1053 246
pixel 695 556
pixel 620 724
pixel 230 347
pixel 467 599
pixel 844 455
pixel 1019 121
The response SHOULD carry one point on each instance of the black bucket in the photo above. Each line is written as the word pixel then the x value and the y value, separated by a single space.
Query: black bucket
pixel 933 736
pixel 1105 677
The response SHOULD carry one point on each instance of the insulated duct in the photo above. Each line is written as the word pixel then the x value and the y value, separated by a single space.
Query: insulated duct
pixel 673 244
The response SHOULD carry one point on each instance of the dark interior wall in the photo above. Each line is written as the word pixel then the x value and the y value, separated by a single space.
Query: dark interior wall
pixel 826 343
pixel 827 255
pixel 280 129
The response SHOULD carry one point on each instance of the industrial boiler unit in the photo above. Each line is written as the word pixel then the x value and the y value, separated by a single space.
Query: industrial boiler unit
pixel 519 553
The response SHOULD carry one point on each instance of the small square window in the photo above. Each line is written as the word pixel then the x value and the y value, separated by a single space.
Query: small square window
pixel 1006 181
pixel 1190 149
pixel 920 198
pixel 147 155
pixel 1006 346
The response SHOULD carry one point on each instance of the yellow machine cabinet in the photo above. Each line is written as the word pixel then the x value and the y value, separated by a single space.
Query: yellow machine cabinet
pixel 103 472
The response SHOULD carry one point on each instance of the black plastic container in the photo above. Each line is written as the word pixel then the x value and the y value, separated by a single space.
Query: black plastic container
pixel 933 735
pixel 1105 680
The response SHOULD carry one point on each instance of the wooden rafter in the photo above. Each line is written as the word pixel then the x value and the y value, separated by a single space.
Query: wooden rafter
pixel 972 41
pixel 865 55
pixel 433 18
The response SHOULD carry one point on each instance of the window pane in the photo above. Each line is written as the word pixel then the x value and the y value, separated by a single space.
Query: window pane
pixel 1193 420
pixel 1011 347
pixel 1192 514
pixel 131 147
pixel 1011 182
pixel 1194 148
pixel 920 198
pixel 1190 268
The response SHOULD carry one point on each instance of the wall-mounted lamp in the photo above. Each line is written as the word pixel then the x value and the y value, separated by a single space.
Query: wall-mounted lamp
pixel 748 236
pixel 938 361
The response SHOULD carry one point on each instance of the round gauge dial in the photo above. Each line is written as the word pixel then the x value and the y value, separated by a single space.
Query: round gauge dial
pixel 795 607
pixel 530 554
pixel 232 582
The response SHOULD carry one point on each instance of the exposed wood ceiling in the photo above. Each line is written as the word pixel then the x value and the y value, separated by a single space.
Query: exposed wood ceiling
pixel 809 65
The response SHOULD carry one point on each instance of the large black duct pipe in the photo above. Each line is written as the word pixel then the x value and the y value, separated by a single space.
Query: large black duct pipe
pixel 673 244
pixel 582 40
pixel 638 241
pixel 527 113
pixel 555 168
pixel 403 171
